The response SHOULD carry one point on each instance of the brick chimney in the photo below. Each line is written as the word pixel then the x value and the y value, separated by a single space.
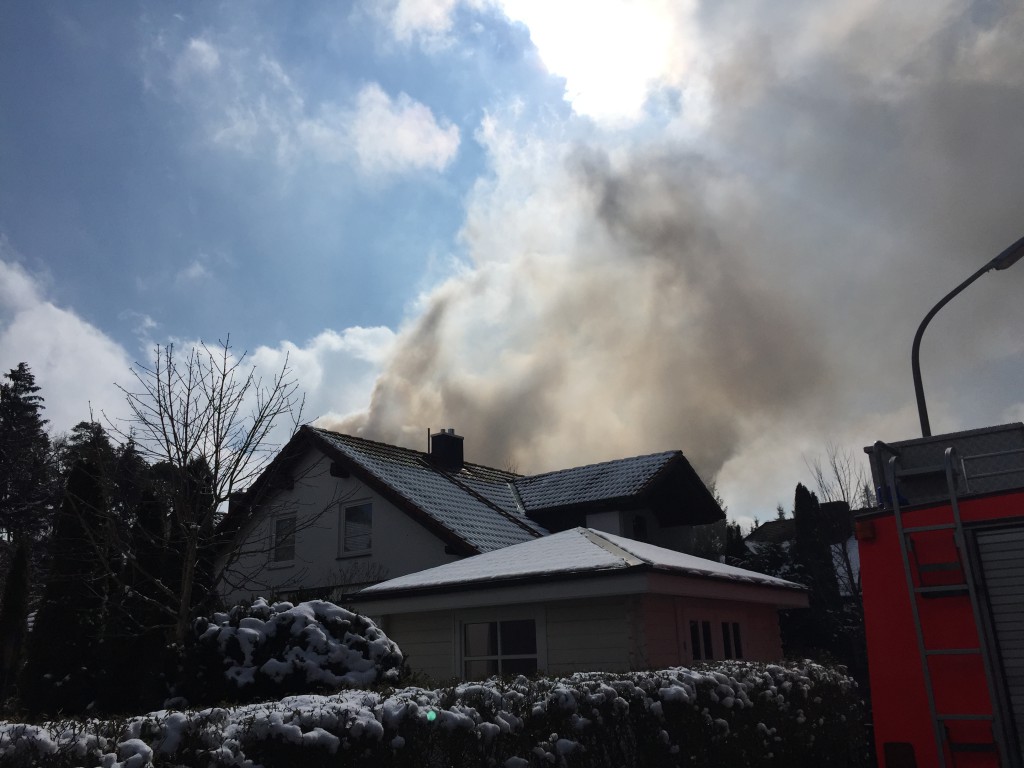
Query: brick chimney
pixel 446 450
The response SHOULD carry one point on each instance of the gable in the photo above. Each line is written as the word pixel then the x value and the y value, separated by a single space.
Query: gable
pixel 446 502
pixel 664 482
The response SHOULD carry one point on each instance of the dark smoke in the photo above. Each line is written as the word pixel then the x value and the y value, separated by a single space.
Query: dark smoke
pixel 749 294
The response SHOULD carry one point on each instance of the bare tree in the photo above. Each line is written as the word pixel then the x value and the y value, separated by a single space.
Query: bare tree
pixel 841 477
pixel 204 421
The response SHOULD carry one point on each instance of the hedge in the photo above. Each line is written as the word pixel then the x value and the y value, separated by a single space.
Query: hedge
pixel 731 713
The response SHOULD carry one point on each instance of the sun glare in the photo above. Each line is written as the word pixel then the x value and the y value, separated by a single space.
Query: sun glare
pixel 610 53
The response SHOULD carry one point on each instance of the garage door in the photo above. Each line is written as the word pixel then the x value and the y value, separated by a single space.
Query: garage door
pixel 1001 552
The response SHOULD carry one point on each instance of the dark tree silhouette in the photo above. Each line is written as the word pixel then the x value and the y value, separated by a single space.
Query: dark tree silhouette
pixel 25 489
pixel 13 619
pixel 818 629
pixel 65 654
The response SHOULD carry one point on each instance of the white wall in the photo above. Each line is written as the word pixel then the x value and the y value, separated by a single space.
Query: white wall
pixel 608 634
pixel 400 545
pixel 677 537
pixel 588 635
pixel 609 522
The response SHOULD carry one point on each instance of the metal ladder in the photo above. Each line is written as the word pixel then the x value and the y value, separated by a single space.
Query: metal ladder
pixel 917 590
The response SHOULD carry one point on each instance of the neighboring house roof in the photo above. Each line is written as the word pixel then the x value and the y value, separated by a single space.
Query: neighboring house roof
pixel 774 532
pixel 837 521
pixel 477 509
pixel 576 552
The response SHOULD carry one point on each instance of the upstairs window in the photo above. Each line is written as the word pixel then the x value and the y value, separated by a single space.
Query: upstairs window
pixel 499 648
pixel 356 528
pixel 283 550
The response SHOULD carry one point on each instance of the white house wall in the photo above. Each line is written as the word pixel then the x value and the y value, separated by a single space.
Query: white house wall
pixel 588 635
pixel 400 545
pixel 609 634
pixel 622 523
pixel 427 640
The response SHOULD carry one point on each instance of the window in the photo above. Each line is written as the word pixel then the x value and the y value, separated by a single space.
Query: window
pixel 284 539
pixel 640 528
pixel 700 640
pixel 356 528
pixel 499 648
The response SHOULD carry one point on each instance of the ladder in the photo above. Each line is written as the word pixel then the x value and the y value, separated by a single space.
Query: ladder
pixel 965 585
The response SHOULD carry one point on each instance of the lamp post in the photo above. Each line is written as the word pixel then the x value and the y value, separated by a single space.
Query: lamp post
pixel 1004 260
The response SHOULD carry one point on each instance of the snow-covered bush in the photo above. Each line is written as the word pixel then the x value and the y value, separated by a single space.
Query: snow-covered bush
pixel 729 714
pixel 264 651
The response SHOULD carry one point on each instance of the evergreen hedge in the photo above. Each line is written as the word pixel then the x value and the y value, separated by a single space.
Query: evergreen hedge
pixel 726 714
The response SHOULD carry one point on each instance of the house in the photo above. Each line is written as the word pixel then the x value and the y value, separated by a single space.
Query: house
pixel 333 513
pixel 579 600
pixel 838 532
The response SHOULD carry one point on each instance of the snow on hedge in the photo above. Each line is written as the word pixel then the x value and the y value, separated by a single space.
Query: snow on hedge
pixel 728 714
pixel 266 651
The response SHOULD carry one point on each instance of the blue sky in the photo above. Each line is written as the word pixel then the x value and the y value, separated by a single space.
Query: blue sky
pixel 573 231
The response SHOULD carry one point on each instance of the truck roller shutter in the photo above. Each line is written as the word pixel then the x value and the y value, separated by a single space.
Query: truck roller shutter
pixel 1001 552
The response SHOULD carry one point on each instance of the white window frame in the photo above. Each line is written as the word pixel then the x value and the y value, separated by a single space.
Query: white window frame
pixel 488 615
pixel 701 635
pixel 343 508
pixel 275 542
pixel 734 629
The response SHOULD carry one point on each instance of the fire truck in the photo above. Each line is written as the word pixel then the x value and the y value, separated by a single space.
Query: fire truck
pixel 942 574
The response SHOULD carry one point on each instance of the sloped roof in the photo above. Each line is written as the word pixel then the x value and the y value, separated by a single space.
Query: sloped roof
pixel 774 532
pixel 578 551
pixel 836 521
pixel 478 509
pixel 447 498
pixel 610 480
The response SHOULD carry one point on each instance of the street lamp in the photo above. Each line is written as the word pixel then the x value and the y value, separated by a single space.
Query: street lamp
pixel 1004 260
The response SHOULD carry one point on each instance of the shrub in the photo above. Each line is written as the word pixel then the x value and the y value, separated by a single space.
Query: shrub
pixel 263 651
pixel 736 714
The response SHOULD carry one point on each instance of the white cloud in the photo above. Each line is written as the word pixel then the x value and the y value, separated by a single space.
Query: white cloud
pixel 393 135
pixel 336 370
pixel 74 363
pixel 248 103
pixel 612 54
pixel 199 57
pixel 194 272
pixel 421 18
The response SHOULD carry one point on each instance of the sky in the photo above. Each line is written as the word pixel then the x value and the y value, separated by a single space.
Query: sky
pixel 572 231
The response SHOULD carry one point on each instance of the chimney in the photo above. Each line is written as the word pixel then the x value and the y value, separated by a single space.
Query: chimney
pixel 446 450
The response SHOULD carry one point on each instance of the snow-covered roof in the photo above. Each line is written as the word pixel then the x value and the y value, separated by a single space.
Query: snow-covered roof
pixel 578 551
pixel 609 480
pixel 453 499
pixel 477 509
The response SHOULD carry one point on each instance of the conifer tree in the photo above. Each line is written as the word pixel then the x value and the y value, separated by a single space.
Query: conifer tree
pixel 66 643
pixel 25 487
pixel 820 627
pixel 13 618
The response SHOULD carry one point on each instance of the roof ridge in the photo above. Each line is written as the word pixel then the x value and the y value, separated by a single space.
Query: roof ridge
pixel 453 478
pixel 598 539
pixel 599 464
pixel 421 454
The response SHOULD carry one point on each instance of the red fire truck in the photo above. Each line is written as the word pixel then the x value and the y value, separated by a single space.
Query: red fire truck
pixel 942 572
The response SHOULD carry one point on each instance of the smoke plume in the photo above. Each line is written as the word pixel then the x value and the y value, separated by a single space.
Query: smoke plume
pixel 741 283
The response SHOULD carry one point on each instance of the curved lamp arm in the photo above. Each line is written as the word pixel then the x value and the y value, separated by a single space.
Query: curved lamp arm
pixel 1004 260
